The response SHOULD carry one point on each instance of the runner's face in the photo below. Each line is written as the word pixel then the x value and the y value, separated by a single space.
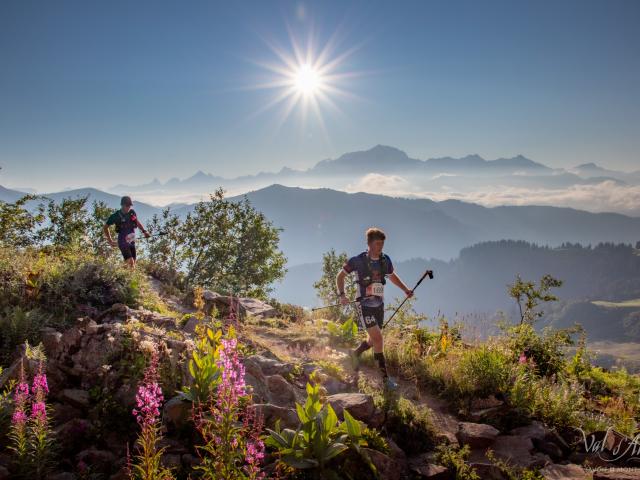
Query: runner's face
pixel 126 208
pixel 375 247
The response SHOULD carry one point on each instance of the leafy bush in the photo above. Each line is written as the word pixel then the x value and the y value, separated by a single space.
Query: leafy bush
pixel 547 350
pixel 455 459
pixel 345 333
pixel 484 371
pixel 557 402
pixel 320 438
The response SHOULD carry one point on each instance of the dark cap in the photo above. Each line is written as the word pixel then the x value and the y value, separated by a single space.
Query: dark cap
pixel 126 201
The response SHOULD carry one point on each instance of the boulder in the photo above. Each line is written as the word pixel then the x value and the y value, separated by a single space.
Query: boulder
pixel 477 435
pixel 190 325
pixel 100 459
pixel 388 468
pixel 270 413
pixel 423 467
pixel 269 366
pixel 281 391
pixel 359 405
pixel 75 397
pixel 517 450
pixel 564 472
pixel 51 341
pixel 176 412
pixel 536 431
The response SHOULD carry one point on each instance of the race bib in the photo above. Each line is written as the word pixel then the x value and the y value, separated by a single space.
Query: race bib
pixel 375 289
pixel 130 238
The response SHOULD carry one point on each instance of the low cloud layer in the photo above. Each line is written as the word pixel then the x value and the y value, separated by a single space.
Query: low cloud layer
pixel 606 196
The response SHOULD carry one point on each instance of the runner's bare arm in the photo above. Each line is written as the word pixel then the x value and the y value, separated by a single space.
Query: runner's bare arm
pixel 107 234
pixel 395 279
pixel 340 280
pixel 141 227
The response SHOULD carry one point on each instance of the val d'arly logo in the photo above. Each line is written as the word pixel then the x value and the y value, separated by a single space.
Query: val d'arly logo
pixel 620 446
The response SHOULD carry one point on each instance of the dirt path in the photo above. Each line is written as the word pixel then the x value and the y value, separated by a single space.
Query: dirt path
pixel 285 345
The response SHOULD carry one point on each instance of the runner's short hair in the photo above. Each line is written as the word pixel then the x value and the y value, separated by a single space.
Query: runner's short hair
pixel 375 233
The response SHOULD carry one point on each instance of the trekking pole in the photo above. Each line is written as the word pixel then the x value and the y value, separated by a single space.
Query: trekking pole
pixel 340 304
pixel 427 272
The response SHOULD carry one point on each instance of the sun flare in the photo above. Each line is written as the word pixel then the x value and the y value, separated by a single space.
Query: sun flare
pixel 307 80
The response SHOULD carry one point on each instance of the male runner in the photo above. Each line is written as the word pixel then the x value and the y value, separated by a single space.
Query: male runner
pixel 371 269
pixel 126 221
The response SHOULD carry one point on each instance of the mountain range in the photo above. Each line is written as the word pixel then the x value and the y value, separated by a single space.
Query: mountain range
pixel 389 171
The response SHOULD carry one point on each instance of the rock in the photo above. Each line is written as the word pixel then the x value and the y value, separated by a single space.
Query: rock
pixel 550 448
pixel 189 461
pixel 75 397
pixel 476 435
pixel 447 438
pixel 63 412
pixel 281 391
pixel 333 386
pixel 4 473
pixel 564 472
pixel 424 469
pixel 71 337
pixel 126 395
pixel 516 450
pixel 60 476
pixel 270 413
pixel 536 430
pixel 100 459
pixel 387 467
pixel 487 470
pixel 176 412
pixel 242 306
pixel 359 405
pixel 269 366
pixel 51 341
pixel 190 325
pixel 171 460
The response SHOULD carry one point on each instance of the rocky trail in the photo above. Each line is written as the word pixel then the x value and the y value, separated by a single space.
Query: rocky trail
pixel 94 366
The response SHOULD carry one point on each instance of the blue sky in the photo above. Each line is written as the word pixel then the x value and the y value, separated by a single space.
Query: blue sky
pixel 99 93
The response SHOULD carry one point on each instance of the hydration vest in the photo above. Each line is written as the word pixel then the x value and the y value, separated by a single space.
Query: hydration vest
pixel 367 280
pixel 125 220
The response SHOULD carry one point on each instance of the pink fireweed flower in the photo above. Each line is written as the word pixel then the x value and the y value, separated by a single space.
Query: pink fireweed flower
pixel 39 411
pixel 523 358
pixel 19 418
pixel 232 385
pixel 149 397
pixel 40 383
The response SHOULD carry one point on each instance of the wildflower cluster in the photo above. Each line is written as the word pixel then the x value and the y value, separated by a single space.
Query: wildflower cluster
pixel 233 448
pixel 147 413
pixel 31 435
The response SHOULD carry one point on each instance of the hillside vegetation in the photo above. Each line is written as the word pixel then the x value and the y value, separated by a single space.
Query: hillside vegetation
pixel 113 373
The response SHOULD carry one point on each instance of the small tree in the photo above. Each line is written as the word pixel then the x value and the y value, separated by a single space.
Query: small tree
pixel 19 226
pixel 231 247
pixel 94 233
pixel 164 251
pixel 67 222
pixel 528 296
pixel 325 287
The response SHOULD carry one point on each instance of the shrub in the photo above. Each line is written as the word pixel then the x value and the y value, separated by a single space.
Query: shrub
pixel 320 438
pixel 484 371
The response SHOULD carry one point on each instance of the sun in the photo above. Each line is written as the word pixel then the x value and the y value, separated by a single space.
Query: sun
pixel 307 80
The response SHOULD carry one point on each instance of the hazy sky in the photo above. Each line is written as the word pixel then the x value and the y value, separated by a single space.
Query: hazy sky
pixel 99 93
